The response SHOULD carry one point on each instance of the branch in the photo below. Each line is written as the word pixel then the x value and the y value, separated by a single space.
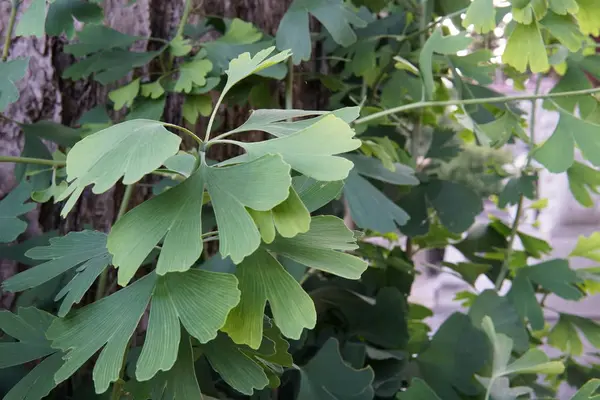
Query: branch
pixel 11 24
pixel 484 100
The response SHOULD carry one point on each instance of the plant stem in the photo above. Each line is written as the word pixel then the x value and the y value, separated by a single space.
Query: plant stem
pixel 457 102
pixel 11 25
pixel 31 160
pixel 289 86
pixel 184 17
pixel 515 226
pixel 211 121
pixel 184 130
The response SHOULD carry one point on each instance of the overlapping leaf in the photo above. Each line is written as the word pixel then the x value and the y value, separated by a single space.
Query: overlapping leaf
pixel 583 180
pixel 130 150
pixel 12 207
pixel 62 14
pixel 84 251
pixel 192 73
pixel 525 46
pixel 316 194
pixel 565 333
pixel 93 38
pixel 11 72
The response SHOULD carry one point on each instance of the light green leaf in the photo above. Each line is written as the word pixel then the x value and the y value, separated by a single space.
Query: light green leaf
pixel 244 65
pixel 326 377
pixel 583 180
pixel 262 279
pixel 39 382
pixel 311 151
pixel 321 248
pixel 535 361
pixel 316 194
pixel 588 391
pixel 32 20
pixel 482 15
pixel 125 95
pixel 526 46
pixel 28 327
pixel 11 72
pixel 241 32
pixel 563 7
pixel 176 301
pixel 93 38
pixel 564 29
pixel 130 149
pixel 588 16
pixel 437 43
pixel 564 335
pixel 85 251
pixel 153 90
pixel 11 208
pixel 529 11
pixel 196 105
pixel 180 47
pixel 336 16
pixel 192 73
pixel 588 247
pixel 62 14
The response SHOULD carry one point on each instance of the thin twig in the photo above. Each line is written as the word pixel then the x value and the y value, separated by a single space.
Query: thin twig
pixel 11 25
pixel 32 160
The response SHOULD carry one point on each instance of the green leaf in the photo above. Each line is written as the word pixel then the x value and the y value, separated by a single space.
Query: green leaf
pixel 476 65
pixel 583 180
pixel 104 157
pixel 11 72
pixel 564 29
pixel 482 15
pixel 526 46
pixel 565 337
pixel 62 13
pixel 522 296
pixel 469 271
pixel 311 151
pixel 57 133
pixel 154 90
pixel 144 108
pixel 556 154
pixel 175 302
pixel 555 276
pixel 502 129
pixel 588 16
pixel 588 247
pixel 11 208
pixel 524 185
pixel 321 248
pixel 326 377
pixel 192 73
pixel 111 322
pixel 196 105
pixel 93 38
pixel 84 251
pixel 588 391
pixel 418 390
pixel 437 43
pixel 28 327
pixel 262 279
pixel 32 20
pixel 563 7
pixel 39 382
pixel 316 194
pixel 125 95
pixel 180 47
pixel 244 65
pixel 240 31
pixel 336 16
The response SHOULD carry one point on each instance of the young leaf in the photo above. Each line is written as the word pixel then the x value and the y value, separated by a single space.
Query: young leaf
pixel 565 337
pixel 11 71
pixel 337 17
pixel 482 15
pixel 262 279
pixel 588 247
pixel 130 150
pixel 327 376
pixel 192 73
pixel 316 194
pixel 111 322
pixel 63 13
pixel 11 208
pixel 196 105
pixel 437 43
pixel 563 7
pixel 583 180
pixel 85 251
pixel 588 16
pixel 93 38
pixel 180 47
pixel 125 95
pixel 526 46
pixel 244 65
pixel 175 302
pixel 321 248
pixel 154 90
pixel 311 151
pixel 563 28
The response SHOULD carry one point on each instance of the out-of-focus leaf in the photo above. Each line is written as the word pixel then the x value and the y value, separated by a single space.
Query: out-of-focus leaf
pixel 57 133
pixel 196 105
pixel 11 72
pixel 62 14
pixel 124 96
pixel 482 15
pixel 525 46
pixel 588 391
pixel 93 38
pixel 515 188
pixel 565 336
pixel 418 390
pixel 583 181
pixel 32 20
pixel 12 207
pixel 588 247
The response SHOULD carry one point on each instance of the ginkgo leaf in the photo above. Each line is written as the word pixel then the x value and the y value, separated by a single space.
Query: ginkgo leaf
pixel 196 105
pixel 180 47
pixel 563 7
pixel 482 15
pixel 321 248
pixel 175 302
pixel 327 376
pixel 336 16
pixel 289 218
pixel 531 10
pixel 583 180
pixel 437 43
pixel 32 20
pixel 526 46
pixel 588 16
pixel 192 73
pixel 39 382
pixel 62 14
pixel 93 38
pixel 588 391
pixel 244 65
pixel 28 327
pixel 557 153
pixel 85 251
pixel 125 95
pixel 10 72
pixel 311 151
pixel 130 149
pixel 11 208
pixel 262 279
pixel 153 90
pixel 588 247
pixel 316 194
pixel 564 29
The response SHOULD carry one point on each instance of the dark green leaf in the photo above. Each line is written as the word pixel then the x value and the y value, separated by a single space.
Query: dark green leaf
pixel 583 180
pixel 515 188
pixel 418 390
pixel 12 207
pixel 61 15
pixel 316 194
pixel 57 133
pixel 11 71
pixel 93 38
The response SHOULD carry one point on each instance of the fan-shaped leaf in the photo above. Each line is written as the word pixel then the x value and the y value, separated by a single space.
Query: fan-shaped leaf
pixel 192 73
pixel 11 208
pixel 481 14
pixel 244 65
pixel 124 96
pixel 526 46
pixel 130 150
pixel 315 194
pixel 11 72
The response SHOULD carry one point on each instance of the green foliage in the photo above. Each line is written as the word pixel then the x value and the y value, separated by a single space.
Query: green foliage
pixel 409 145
